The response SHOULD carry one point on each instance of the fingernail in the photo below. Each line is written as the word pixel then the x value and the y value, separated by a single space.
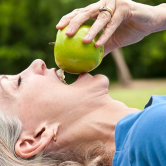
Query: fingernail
pixel 98 42
pixel 59 24
pixel 69 30
pixel 86 37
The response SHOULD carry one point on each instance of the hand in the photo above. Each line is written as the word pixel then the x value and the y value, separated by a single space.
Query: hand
pixel 130 23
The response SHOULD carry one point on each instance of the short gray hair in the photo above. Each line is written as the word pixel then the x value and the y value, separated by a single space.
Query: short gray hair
pixel 10 129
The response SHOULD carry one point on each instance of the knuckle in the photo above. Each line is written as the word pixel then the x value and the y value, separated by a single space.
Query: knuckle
pixel 104 35
pixel 67 16
pixel 75 21
pixel 110 24
pixel 123 5
pixel 76 10
pixel 104 16
pixel 86 14
pixel 63 17
pixel 87 9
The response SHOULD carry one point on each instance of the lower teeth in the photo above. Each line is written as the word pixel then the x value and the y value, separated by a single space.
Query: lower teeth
pixel 61 75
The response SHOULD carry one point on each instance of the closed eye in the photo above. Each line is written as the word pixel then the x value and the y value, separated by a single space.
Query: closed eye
pixel 19 81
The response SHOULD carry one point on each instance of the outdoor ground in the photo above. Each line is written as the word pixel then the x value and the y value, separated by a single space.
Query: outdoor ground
pixel 138 92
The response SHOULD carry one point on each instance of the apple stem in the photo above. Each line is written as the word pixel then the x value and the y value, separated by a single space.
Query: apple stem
pixel 51 43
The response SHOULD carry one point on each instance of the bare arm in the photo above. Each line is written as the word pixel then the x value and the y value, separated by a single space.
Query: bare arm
pixel 161 20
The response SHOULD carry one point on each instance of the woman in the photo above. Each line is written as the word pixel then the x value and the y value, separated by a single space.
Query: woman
pixel 46 121
pixel 79 114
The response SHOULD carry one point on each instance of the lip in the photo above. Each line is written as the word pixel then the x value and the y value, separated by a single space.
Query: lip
pixel 55 70
pixel 80 76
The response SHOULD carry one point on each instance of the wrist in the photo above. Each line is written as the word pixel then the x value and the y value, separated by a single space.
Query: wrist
pixel 160 12
pixel 150 17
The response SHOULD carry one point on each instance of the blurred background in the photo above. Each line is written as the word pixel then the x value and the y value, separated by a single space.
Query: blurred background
pixel 26 28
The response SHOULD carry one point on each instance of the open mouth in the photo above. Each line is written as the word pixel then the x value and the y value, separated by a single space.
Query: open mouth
pixel 61 75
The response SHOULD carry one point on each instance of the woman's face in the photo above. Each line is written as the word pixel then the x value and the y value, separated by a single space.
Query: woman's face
pixel 37 93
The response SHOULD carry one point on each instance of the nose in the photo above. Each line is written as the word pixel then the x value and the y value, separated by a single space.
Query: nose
pixel 38 66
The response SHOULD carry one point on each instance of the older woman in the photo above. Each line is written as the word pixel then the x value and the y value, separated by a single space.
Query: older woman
pixel 78 114
pixel 80 123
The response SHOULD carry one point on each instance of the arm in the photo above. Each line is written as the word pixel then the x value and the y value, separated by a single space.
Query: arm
pixel 151 18
pixel 161 10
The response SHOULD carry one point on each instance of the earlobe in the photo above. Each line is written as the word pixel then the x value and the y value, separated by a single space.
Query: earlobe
pixel 29 145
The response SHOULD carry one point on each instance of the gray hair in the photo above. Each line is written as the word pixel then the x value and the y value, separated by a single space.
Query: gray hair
pixel 10 129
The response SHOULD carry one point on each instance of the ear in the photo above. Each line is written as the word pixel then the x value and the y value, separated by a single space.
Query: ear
pixel 29 145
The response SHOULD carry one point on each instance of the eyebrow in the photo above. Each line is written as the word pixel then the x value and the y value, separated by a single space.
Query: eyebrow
pixel 3 89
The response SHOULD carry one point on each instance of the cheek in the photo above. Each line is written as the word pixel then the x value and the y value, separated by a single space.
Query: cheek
pixel 37 99
pixel 30 101
pixel 31 109
pixel 6 105
pixel 27 108
pixel 36 88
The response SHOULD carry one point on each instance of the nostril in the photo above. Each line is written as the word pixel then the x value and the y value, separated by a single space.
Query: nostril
pixel 43 66
pixel 38 66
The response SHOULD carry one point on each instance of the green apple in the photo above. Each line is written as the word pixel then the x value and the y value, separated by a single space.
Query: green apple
pixel 74 56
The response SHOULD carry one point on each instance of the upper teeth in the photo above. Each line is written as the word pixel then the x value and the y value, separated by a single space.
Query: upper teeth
pixel 60 74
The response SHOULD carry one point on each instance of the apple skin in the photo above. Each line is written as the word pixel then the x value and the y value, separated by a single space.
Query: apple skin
pixel 74 56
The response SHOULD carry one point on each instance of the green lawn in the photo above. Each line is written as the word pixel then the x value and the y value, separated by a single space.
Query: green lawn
pixel 136 98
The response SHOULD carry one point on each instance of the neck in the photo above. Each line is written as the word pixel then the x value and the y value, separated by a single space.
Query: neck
pixel 92 123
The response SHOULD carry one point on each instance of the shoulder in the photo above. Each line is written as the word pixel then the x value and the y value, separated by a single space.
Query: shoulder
pixel 148 135
pixel 143 136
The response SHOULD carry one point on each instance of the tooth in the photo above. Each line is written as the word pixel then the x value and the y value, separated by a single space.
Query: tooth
pixel 61 75
pixel 62 80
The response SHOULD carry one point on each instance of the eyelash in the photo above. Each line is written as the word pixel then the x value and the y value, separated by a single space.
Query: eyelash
pixel 19 81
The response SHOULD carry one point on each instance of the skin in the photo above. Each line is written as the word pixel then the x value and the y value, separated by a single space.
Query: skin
pixel 130 22
pixel 81 112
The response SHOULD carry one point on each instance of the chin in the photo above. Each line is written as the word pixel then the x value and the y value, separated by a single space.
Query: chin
pixel 98 81
pixel 102 80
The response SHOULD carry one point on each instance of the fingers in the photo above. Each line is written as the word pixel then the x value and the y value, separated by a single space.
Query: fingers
pixel 110 28
pixel 112 24
pixel 76 22
pixel 102 19
pixel 66 19
pixel 89 12
pixel 77 18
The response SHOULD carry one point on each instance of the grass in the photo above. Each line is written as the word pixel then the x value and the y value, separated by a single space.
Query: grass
pixel 137 97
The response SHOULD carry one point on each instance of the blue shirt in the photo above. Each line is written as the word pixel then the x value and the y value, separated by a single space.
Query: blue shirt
pixel 140 138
